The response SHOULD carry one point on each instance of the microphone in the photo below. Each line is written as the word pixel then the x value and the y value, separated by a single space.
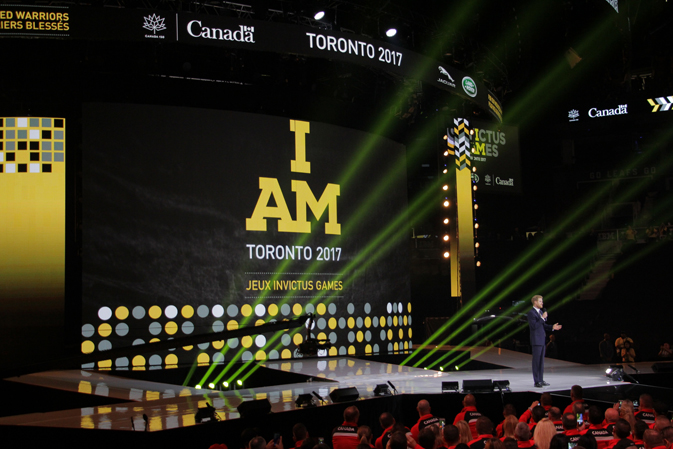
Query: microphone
pixel 543 310
pixel 393 386
pixel 318 396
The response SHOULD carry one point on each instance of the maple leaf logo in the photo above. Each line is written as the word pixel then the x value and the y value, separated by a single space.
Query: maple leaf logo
pixel 154 23
pixel 573 114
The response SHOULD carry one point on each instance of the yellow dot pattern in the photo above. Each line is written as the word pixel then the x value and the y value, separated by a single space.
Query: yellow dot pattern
pixel 104 330
pixel 297 309
pixel 187 311
pixel 122 313
pixel 390 330
pixel 171 327
pixel 105 364
pixel 155 312
pixel 88 347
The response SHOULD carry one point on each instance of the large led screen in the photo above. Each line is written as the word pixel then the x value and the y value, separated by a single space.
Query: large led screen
pixel 32 241
pixel 197 221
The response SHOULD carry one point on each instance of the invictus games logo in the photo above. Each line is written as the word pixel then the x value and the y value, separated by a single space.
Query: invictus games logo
pixel 469 86
pixel 573 115
pixel 154 23
pixel 451 82
pixel 475 178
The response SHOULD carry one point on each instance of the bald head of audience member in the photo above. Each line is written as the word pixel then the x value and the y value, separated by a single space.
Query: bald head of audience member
pixel 423 407
pixel 469 401
pixel 611 415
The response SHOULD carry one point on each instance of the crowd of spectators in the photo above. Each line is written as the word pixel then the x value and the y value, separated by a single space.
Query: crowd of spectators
pixel 541 426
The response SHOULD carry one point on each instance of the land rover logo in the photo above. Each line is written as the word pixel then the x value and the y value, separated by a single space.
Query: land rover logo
pixel 469 86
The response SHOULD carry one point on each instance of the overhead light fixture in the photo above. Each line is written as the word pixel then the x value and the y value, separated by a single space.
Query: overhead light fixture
pixel 391 32
pixel 319 15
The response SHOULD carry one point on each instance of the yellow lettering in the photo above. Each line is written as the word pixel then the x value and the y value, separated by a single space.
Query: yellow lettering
pixel 328 199
pixel 257 222
pixel 480 148
pixel 300 129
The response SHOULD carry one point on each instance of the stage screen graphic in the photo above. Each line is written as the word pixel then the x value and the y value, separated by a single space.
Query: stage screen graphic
pixel 496 156
pixel 32 241
pixel 196 221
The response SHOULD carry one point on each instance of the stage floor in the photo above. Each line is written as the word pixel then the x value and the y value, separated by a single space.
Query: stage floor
pixel 171 406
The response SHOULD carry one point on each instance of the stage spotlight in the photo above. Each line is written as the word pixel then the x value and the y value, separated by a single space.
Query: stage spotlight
pixel 256 408
pixel 344 394
pixel 319 15
pixel 445 171
pixel 446 238
pixel 446 153
pixel 446 203
pixel 382 390
pixel 446 221
pixel 225 384
pixel 446 254
pixel 304 400
pixel 477 386
pixel 450 387
pixel 198 387
pixel 445 187
pixel 239 382
pixel 211 386
pixel 502 385
pixel 391 32
pixel 615 372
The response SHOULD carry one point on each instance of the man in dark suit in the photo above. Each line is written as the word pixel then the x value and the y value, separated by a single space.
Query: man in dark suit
pixel 537 321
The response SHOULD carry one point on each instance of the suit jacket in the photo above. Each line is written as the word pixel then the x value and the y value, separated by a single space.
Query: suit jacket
pixel 537 326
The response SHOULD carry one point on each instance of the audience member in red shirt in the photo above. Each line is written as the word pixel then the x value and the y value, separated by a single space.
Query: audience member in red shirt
pixel 469 414
pixel 576 394
pixel 426 418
